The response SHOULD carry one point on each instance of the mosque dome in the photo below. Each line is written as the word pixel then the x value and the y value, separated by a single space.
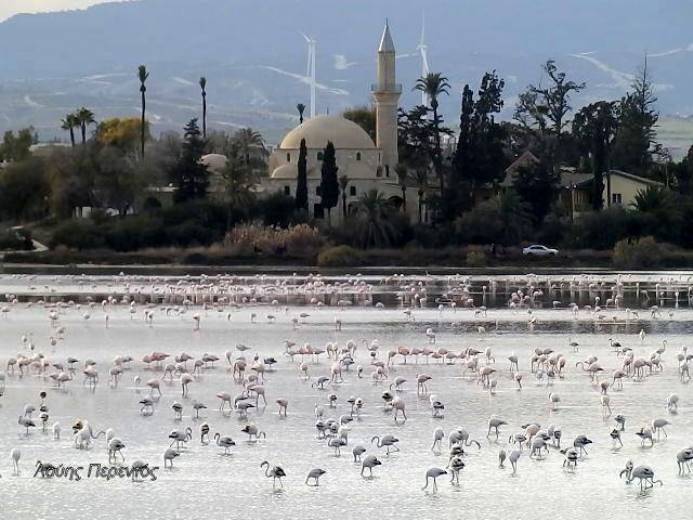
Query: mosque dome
pixel 285 171
pixel 343 133
pixel 214 162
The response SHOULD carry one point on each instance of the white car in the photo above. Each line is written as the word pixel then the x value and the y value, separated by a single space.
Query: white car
pixel 538 250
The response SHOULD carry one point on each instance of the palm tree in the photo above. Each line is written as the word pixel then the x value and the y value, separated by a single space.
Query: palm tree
pixel 247 140
pixel 343 185
pixel 69 124
pixel 203 87
pixel 374 225
pixel 421 181
pixel 301 108
pixel 84 117
pixel 402 176
pixel 143 75
pixel 653 199
pixel 434 84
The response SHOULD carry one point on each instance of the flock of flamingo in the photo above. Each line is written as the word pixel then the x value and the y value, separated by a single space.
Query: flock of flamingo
pixel 165 383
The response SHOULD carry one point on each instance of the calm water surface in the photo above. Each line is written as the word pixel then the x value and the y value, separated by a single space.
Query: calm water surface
pixel 206 483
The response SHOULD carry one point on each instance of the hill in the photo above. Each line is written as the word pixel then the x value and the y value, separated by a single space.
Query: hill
pixel 255 57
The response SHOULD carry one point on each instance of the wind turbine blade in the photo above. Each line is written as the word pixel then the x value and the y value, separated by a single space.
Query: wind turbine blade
pixel 422 42
pixel 304 36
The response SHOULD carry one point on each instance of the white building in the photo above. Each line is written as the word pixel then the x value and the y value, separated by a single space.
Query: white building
pixel 367 165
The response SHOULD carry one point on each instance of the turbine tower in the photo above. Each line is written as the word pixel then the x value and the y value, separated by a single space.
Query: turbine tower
pixel 310 70
pixel 423 50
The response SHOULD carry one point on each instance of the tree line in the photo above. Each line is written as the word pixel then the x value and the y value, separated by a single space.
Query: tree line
pixel 455 173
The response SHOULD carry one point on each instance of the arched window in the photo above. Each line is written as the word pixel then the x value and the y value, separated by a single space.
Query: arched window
pixel 287 190
pixel 352 191
pixel 288 157
pixel 320 156
pixel 358 156
pixel 387 170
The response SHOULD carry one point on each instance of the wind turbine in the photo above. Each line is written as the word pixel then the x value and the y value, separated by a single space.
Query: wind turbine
pixel 310 70
pixel 423 50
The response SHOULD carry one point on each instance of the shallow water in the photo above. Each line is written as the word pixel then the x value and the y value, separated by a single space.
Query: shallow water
pixel 204 482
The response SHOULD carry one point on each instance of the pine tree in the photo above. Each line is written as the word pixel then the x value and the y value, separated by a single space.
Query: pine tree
pixel 479 157
pixel 594 128
pixel 189 175
pixel 302 179
pixel 635 139
pixel 329 185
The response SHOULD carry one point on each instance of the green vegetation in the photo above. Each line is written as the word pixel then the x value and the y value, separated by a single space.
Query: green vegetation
pixel 118 193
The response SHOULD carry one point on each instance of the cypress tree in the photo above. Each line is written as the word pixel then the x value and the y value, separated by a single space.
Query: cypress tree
pixel 302 179
pixel 329 185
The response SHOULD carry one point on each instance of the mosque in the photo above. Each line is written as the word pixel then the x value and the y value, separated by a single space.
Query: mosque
pixel 367 164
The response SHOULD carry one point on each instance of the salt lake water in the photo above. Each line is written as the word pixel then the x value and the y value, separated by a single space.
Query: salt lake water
pixel 234 311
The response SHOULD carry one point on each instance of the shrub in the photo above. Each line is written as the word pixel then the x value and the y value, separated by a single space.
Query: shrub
pixel 301 240
pixel 191 233
pixel 481 225
pixel 638 253
pixel 602 229
pixel 276 209
pixel 552 230
pixel 476 257
pixel 151 205
pixel 134 233
pixel 432 236
pixel 16 240
pixel 78 234
pixel 340 256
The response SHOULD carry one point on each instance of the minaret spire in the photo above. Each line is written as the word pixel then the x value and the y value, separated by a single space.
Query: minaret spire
pixel 386 44
pixel 386 93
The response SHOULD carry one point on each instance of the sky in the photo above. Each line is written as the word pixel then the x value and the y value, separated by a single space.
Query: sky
pixel 12 7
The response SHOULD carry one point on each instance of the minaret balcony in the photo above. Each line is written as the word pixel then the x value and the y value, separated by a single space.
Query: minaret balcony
pixel 395 88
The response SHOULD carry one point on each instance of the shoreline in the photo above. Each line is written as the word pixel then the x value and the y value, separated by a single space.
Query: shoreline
pixel 284 270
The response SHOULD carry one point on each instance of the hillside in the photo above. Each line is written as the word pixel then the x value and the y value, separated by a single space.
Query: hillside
pixel 254 56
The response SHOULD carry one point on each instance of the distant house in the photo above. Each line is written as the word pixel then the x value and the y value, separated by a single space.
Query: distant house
pixel 620 190
pixel 577 192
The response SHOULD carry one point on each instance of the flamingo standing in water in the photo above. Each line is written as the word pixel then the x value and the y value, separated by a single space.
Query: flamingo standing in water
pixel 15 455
pixel 275 473
pixel 315 475
pixel 433 474
pixel 370 462
pixel 389 441
pixel 185 380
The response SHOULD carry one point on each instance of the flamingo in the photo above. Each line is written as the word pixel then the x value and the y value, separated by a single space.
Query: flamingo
pixel 275 473
pixel 389 441
pixel 185 380
pixel 455 465
pixel 225 442
pixel 15 455
pixel 315 475
pixel 433 474
pixel 644 474
pixel 252 431
pixel 357 452
pixel 370 462
pixel 169 455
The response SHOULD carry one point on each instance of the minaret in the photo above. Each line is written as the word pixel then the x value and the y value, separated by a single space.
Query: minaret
pixel 386 93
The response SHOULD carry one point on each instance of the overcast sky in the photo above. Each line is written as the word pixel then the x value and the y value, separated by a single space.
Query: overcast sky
pixel 10 7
